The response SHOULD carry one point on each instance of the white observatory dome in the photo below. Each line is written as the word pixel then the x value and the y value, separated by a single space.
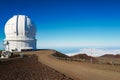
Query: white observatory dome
pixel 20 34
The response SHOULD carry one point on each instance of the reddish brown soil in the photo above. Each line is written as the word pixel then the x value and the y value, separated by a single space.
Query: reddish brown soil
pixel 59 54
pixel 111 56
pixel 28 68
pixel 84 56
pixel 76 70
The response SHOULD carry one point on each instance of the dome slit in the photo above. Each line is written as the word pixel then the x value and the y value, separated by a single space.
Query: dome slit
pixel 17 25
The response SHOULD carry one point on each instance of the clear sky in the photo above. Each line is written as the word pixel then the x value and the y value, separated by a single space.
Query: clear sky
pixel 68 22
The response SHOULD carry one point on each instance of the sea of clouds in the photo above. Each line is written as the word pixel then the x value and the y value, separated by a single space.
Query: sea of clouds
pixel 96 51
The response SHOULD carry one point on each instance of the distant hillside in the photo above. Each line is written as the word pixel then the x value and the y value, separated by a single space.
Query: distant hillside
pixel 111 56
pixel 59 54
pixel 83 56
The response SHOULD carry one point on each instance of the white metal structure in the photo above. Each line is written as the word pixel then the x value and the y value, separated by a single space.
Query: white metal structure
pixel 5 54
pixel 20 34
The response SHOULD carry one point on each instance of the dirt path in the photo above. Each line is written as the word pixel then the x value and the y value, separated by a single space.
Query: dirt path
pixel 74 69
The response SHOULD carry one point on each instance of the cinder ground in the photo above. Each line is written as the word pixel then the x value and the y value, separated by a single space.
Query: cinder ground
pixel 28 68
pixel 75 69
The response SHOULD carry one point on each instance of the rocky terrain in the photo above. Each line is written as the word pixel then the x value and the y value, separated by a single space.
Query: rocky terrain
pixel 48 65
pixel 78 70
pixel 111 56
pixel 84 56
pixel 28 68
pixel 59 54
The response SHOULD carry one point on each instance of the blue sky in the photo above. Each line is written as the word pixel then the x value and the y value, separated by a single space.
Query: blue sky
pixel 68 22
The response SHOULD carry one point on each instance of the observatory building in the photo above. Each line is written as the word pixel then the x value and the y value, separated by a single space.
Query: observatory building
pixel 20 33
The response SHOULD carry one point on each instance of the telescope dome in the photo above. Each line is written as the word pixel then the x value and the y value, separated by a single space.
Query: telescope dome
pixel 20 33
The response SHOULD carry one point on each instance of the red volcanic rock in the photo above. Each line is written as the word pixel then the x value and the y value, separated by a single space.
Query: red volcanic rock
pixel 59 54
pixel 117 56
pixel 111 55
pixel 28 68
pixel 83 56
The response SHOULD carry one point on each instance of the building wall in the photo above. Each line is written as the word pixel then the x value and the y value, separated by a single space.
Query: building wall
pixel 21 45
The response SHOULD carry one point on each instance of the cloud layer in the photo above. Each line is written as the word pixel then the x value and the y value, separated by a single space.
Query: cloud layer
pixel 96 52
